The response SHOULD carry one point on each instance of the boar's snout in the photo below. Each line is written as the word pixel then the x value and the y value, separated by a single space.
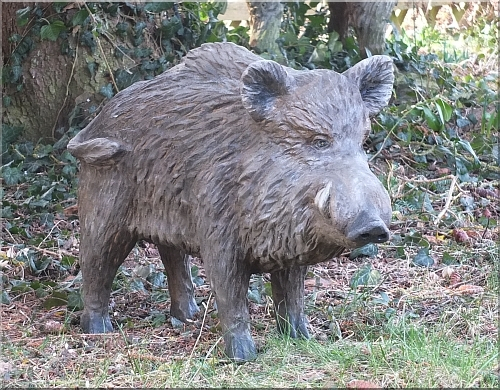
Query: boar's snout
pixel 358 206
pixel 362 232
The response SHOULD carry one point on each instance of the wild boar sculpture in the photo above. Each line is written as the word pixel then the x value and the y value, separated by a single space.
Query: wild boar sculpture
pixel 250 165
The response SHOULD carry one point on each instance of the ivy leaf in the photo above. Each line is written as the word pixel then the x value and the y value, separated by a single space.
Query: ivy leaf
pixel 158 319
pixel 57 298
pixel 80 17
pixel 444 110
pixel 12 176
pixel 22 16
pixel 369 250
pixel 4 298
pixel 157 279
pixel 6 101
pixel 431 119
pixel 51 31
pixel 422 258
pixel 467 146
pixel 157 7
pixel 449 259
pixel 107 90
pixel 15 73
pixel 254 296
pixel 75 301
pixel 10 134
pixel 170 27
pixel 137 285
pixel 365 276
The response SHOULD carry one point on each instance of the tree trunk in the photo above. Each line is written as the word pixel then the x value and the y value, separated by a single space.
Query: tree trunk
pixel 52 83
pixel 265 23
pixel 369 20
pixel 338 18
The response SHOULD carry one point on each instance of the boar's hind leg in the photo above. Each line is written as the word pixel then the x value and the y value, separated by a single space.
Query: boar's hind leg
pixel 99 261
pixel 180 285
pixel 288 296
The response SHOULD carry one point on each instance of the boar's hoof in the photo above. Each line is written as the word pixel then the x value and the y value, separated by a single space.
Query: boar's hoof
pixel 240 349
pixel 294 327
pixel 184 312
pixel 95 323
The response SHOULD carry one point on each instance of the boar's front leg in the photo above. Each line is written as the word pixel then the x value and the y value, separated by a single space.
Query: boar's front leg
pixel 288 296
pixel 229 279
pixel 180 285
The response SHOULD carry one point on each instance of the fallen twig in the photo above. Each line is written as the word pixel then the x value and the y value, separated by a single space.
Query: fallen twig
pixel 201 327
pixel 448 200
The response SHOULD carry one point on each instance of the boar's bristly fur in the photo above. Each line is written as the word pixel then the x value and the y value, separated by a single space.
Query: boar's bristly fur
pixel 251 165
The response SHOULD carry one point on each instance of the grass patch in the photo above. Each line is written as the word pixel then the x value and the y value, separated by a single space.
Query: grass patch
pixel 404 355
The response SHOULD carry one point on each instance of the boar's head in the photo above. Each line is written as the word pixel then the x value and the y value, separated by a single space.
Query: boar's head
pixel 318 183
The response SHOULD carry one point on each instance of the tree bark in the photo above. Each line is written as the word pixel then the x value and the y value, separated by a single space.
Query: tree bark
pixel 369 20
pixel 338 18
pixel 52 83
pixel 265 23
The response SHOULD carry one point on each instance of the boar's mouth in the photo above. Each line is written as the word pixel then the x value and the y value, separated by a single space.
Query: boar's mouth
pixel 322 200
pixel 365 227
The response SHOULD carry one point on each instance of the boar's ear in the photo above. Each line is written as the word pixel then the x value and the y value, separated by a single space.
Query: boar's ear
pixel 262 83
pixel 374 77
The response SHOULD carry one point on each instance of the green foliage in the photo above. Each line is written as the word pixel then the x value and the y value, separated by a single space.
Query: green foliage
pixel 154 35
pixel 22 16
pixel 422 258
pixel 51 31
pixel 436 107
pixel 306 43
pixel 369 250
pixel 80 18
pixel 39 180
pixel 366 276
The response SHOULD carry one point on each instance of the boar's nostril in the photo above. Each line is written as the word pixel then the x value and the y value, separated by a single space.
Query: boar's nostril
pixel 375 233
pixel 382 237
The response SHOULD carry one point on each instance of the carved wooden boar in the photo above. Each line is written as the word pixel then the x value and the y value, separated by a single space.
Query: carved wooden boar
pixel 253 166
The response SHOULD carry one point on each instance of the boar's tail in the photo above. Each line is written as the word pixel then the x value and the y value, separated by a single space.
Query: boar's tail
pixel 97 151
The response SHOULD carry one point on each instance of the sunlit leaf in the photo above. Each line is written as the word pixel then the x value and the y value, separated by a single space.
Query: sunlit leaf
pixel 444 109
pixel 431 119
pixel 365 276
pixel 22 16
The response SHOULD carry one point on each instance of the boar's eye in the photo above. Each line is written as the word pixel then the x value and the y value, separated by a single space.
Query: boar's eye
pixel 321 143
